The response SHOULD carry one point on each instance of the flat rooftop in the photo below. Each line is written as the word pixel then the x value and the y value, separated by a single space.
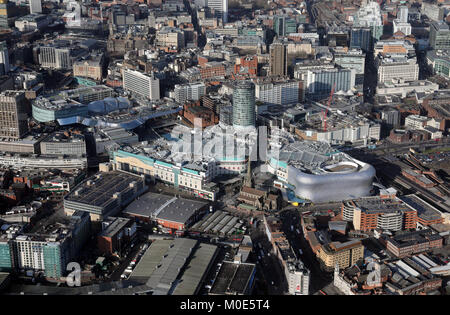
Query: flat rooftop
pixel 164 207
pixel 114 226
pixel 378 205
pixel 190 281
pixel 162 266
pixel 412 238
pixel 424 210
pixel 218 222
pixel 233 278
pixel 99 190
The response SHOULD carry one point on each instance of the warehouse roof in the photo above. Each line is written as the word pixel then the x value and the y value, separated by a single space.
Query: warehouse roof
pixel 233 278
pixel 164 207
pixel 190 281
pixel 424 210
pixel 162 265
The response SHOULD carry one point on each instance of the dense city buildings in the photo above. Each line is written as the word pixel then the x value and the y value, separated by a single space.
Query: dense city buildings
pixel 224 147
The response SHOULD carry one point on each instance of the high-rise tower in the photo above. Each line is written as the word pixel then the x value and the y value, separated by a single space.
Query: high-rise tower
pixel 278 59
pixel 244 104
pixel 4 59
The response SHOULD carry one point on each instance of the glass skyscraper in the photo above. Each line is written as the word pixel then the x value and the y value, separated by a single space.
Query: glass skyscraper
pixel 244 104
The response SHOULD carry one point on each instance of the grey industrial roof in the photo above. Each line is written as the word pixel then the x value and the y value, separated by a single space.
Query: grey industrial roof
pixel 114 227
pixel 98 190
pixel 424 210
pixel 218 222
pixel 159 206
pixel 233 278
pixel 163 261
pixel 150 260
pixel 190 281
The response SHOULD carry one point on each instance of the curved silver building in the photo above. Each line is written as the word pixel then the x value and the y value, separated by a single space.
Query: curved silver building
pixel 333 186
pixel 316 172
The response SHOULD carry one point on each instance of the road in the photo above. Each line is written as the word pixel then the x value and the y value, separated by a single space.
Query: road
pixel 268 265
pixel 319 278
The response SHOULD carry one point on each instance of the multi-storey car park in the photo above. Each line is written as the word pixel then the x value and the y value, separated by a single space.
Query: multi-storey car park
pixel 104 194
pixel 339 128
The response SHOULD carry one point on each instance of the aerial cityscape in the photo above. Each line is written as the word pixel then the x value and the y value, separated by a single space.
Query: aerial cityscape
pixel 224 148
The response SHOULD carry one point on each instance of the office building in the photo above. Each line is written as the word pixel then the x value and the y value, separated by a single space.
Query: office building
pixel 116 235
pixel 170 37
pixel 7 11
pixel 60 55
pixel 369 15
pixel 189 92
pixel 351 59
pixel 401 22
pixel 244 114
pixel 283 25
pixel 35 6
pixel 415 242
pixel 226 115
pixel 416 121
pixel 278 92
pixel 91 67
pixel 433 11
pixel 14 112
pixel 439 35
pixel 343 254
pixel 439 62
pixel 320 82
pixel 4 59
pixel 394 47
pixel 397 67
pixel 62 143
pixel 220 8
pixel 278 59
pixel 391 117
pixel 361 38
pixel 49 248
pixel 403 88
pixel 141 84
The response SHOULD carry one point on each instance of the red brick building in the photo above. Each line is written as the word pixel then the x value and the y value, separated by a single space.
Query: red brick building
pixel 117 234
pixel 246 68
pixel 212 69
pixel 418 178
pixel 195 110
pixel 414 242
